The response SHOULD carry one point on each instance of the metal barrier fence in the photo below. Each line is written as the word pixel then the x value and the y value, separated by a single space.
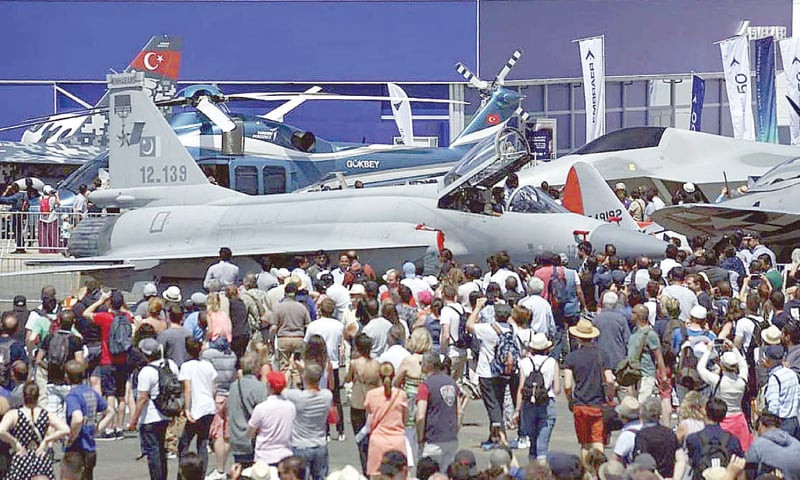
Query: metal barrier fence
pixel 25 237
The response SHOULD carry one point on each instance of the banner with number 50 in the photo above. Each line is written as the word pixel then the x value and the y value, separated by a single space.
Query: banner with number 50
pixel 736 66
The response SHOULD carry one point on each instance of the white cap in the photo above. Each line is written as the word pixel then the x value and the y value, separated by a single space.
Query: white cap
pixel 699 312
pixel 688 187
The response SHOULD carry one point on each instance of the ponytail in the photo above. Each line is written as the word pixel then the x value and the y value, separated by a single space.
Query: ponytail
pixel 386 373
pixel 387 387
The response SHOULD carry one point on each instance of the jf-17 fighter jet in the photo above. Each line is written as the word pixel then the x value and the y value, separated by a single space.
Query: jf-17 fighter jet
pixel 769 207
pixel 174 221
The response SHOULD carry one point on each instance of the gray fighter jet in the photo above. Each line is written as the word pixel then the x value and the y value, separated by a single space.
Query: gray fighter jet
pixel 174 221
pixel 666 158
pixel 770 207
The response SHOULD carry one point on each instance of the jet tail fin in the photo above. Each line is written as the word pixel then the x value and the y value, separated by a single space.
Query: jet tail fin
pixel 143 149
pixel 586 193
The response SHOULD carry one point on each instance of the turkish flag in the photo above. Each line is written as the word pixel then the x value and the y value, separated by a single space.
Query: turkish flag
pixel 492 119
pixel 160 63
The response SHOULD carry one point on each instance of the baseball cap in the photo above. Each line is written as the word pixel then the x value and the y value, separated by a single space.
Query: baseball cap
pixel 277 382
pixel 564 465
pixel 20 301
pixel 198 298
pixel 148 346
pixel 774 352
pixel 149 290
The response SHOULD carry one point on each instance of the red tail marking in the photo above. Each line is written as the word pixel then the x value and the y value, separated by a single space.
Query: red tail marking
pixel 571 197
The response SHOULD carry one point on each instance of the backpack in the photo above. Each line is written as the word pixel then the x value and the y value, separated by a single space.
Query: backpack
pixel 506 353
pixel 687 370
pixel 169 400
pixel 534 389
pixel 557 290
pixel 463 339
pixel 713 448
pixel 120 337
pixel 629 370
pixel 433 327
pixel 5 361
pixel 58 349
pixel 44 205
pixel 670 355
pixel 756 341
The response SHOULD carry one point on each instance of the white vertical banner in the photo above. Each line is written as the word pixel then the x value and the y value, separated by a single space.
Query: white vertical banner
pixel 594 85
pixel 736 66
pixel 790 53
pixel 401 110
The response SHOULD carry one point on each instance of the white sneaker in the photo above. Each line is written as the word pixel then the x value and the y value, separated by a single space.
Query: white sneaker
pixel 523 443
pixel 216 475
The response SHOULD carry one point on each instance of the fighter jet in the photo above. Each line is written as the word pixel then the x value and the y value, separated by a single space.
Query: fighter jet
pixel 769 207
pixel 666 158
pixel 175 221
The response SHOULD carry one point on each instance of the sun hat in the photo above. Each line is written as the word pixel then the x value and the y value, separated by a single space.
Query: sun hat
pixel 260 471
pixel 149 290
pixel 172 294
pixel 539 342
pixel 584 329
pixel 771 335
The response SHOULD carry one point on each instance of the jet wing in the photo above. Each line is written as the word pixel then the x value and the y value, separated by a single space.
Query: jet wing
pixel 397 240
pixel 52 154
pixel 775 226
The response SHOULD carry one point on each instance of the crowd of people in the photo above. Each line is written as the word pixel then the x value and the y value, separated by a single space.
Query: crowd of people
pixel 692 358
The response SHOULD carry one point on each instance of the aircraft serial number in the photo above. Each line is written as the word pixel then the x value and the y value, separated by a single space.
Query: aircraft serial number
pixel 607 216
pixel 166 174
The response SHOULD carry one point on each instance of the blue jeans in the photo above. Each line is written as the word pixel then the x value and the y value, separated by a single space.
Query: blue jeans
pixel 152 437
pixel 200 429
pixel 316 459
pixel 539 421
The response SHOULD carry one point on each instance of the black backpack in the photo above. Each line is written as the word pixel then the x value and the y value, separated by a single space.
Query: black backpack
pixel 534 390
pixel 713 448
pixel 169 400
pixel 464 338
pixel 670 355
pixel 58 349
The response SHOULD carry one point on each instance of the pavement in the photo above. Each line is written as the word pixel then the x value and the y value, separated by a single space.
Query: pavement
pixel 116 459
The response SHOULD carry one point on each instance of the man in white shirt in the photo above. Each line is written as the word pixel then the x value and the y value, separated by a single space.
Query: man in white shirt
pixel 332 331
pixel 450 320
pixel 669 262
pixel 542 320
pixel 492 386
pixel 151 423
pixel 198 378
pixel 503 272
pixel 682 294
pixel 224 271
pixel 472 284
pixel 396 352
pixel 336 292
pixel 377 329
pixel 414 281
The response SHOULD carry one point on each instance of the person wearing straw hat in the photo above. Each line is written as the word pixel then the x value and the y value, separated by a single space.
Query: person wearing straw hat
pixel 585 370
pixel 538 420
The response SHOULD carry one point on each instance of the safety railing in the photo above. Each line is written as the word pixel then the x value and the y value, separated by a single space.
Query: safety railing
pixel 30 236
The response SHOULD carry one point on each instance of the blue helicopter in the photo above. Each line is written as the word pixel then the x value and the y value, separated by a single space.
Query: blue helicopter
pixel 261 155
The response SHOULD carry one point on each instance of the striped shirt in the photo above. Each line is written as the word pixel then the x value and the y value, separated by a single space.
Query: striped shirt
pixel 781 394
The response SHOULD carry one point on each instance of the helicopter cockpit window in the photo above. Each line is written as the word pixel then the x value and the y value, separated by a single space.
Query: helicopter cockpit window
pixel 529 199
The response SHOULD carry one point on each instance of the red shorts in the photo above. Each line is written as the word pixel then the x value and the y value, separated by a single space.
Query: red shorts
pixel 219 425
pixel 588 424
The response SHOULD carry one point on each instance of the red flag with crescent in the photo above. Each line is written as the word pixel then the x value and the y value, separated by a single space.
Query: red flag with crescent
pixel 159 62
pixel 492 119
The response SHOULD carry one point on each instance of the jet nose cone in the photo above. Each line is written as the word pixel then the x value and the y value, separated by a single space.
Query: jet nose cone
pixel 627 242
